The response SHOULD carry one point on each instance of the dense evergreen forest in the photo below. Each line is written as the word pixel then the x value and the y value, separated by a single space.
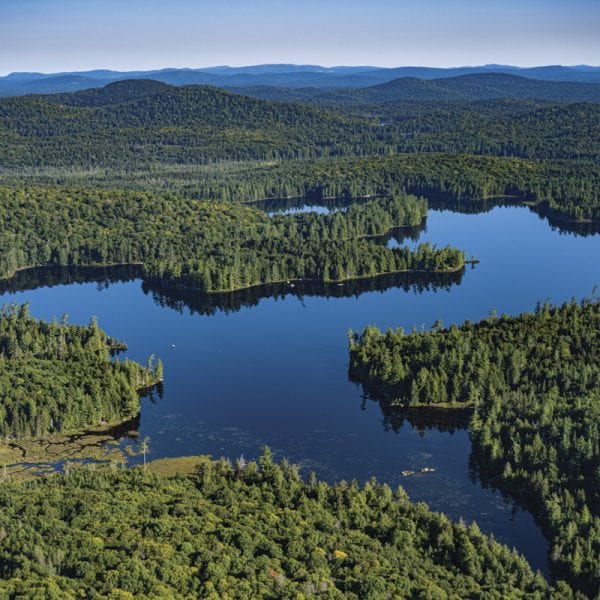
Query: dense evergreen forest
pixel 534 382
pixel 207 245
pixel 241 531
pixel 567 189
pixel 152 136
pixel 190 124
pixel 56 377
pixel 139 123
pixel 551 348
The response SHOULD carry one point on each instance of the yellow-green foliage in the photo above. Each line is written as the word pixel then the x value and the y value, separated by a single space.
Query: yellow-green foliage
pixel 243 531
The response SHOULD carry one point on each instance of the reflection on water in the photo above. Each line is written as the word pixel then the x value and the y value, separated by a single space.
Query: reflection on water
pixel 439 202
pixel 43 277
pixel 166 294
pixel 269 365
pixel 422 419
pixel 178 297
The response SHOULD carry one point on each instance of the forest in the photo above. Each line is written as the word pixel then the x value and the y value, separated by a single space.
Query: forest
pixel 243 530
pixel 159 182
pixel 533 382
pixel 139 123
pixel 550 348
pixel 205 143
pixel 567 189
pixel 192 124
pixel 56 377
pixel 209 246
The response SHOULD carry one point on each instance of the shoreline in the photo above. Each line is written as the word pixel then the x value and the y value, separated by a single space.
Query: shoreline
pixel 180 285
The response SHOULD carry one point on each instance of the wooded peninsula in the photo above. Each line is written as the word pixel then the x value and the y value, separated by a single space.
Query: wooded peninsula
pixel 57 377
pixel 211 246
pixel 533 381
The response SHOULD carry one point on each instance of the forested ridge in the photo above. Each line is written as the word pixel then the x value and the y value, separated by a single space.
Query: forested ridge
pixel 503 126
pixel 472 87
pixel 139 123
pixel 56 377
pixel 555 81
pixel 192 124
pixel 240 531
pixel 208 245
pixel 534 381
pixel 144 134
pixel 557 132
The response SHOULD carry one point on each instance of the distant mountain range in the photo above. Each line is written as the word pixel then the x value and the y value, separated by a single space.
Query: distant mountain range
pixel 280 75
pixel 469 88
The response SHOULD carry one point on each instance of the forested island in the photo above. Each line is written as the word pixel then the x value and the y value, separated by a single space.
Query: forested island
pixel 243 530
pixel 209 246
pixel 56 377
pixel 533 382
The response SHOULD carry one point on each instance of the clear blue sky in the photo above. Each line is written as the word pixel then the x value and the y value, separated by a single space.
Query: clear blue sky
pixel 67 35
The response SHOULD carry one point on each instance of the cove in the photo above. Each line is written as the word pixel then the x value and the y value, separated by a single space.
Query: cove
pixel 269 367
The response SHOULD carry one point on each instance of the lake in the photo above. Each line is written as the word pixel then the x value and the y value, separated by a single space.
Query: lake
pixel 269 366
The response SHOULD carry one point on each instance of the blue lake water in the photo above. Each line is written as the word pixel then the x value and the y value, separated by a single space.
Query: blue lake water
pixel 274 372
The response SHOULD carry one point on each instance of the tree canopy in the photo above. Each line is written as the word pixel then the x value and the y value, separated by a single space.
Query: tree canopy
pixel 56 377
pixel 243 530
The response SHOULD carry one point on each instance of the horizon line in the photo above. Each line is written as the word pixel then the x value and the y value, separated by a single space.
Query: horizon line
pixel 291 64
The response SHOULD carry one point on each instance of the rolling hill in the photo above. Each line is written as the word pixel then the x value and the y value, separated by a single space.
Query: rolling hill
pixel 143 124
pixel 140 122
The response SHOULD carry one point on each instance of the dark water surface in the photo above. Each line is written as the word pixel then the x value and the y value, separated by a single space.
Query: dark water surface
pixel 269 366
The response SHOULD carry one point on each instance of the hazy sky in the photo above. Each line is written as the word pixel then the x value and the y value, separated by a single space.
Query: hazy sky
pixel 67 35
